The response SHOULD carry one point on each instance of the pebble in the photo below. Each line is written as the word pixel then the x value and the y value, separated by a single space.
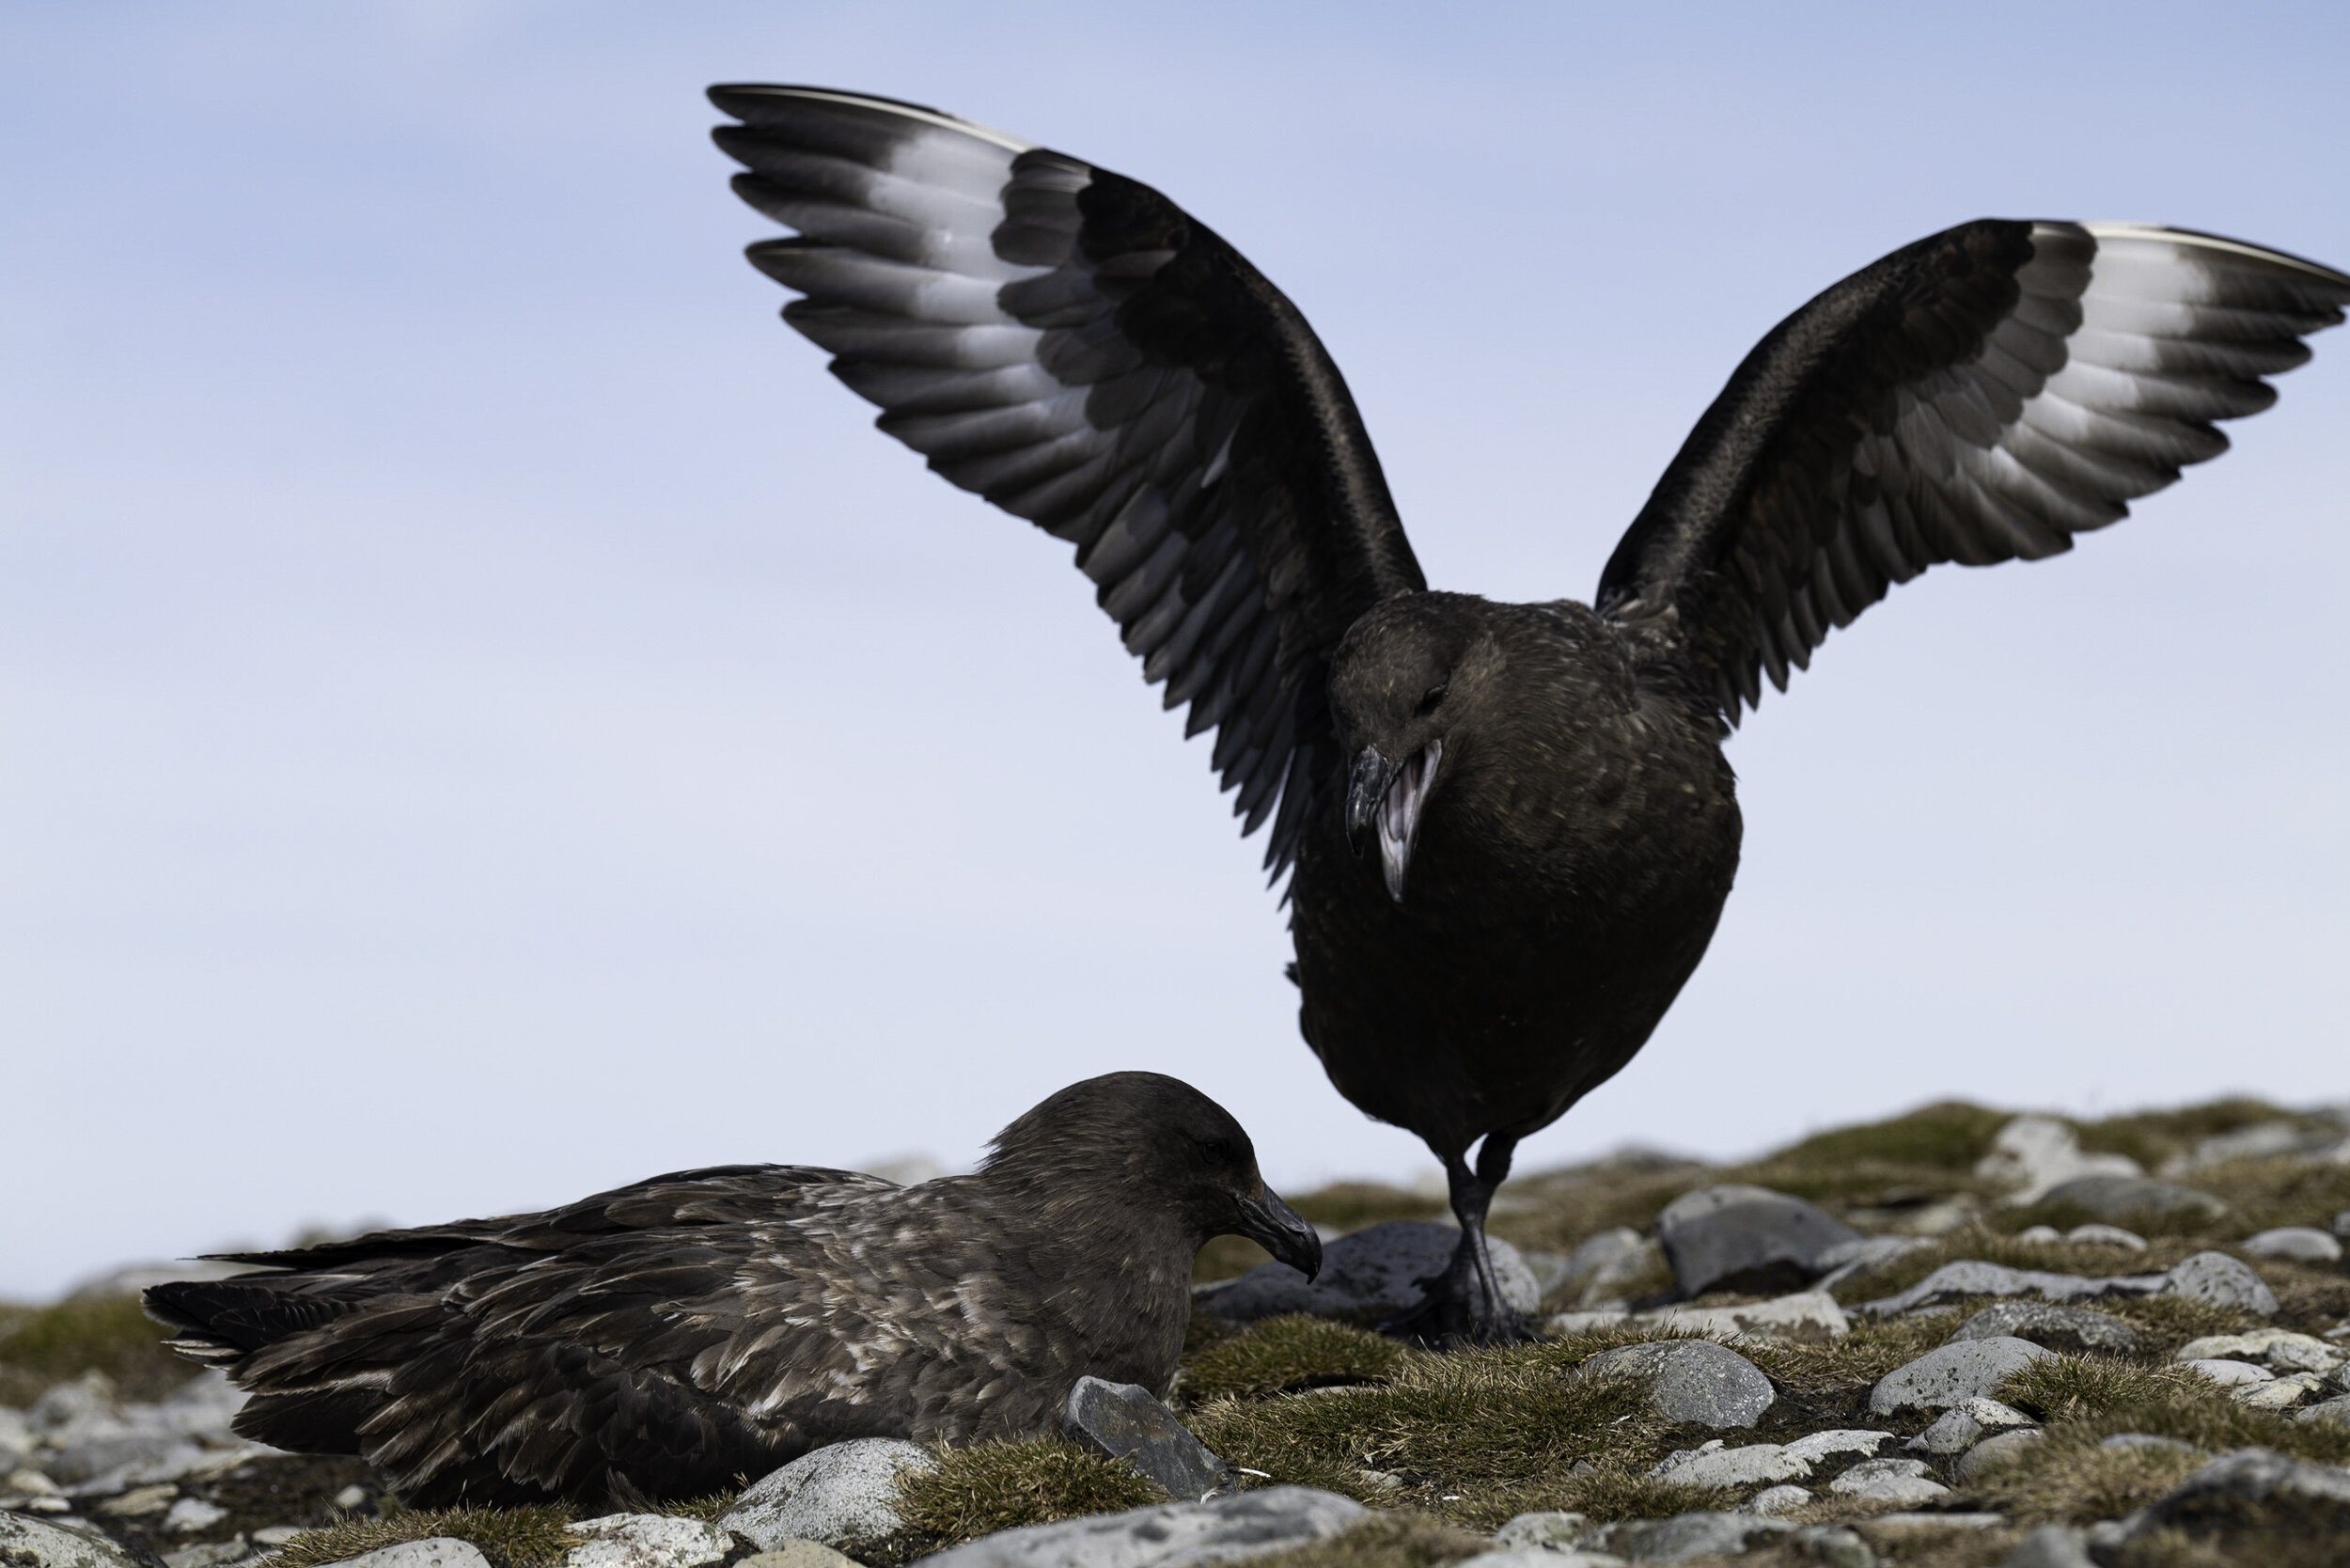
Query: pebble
pixel 1959 1428
pixel 213 1554
pixel 140 1501
pixel 1171 1535
pixel 1972 1276
pixel 1125 1423
pixel 2051 1546
pixel 647 1541
pixel 278 1536
pixel 2227 1371
pixel 2283 1349
pixel 1375 1272
pixel 1853 1258
pixel 1604 1261
pixel 1992 1452
pixel 1746 1238
pixel 2106 1235
pixel 2309 1497
pixel 800 1553
pixel 1540 1556
pixel 2280 1393
pixel 1549 1530
pixel 2303 1243
pixel 36 1544
pixel 1952 1374
pixel 190 1514
pixel 2342 1225
pixel 1893 1480
pixel 1690 1380
pixel 1687 1535
pixel 351 1496
pixel 1717 1467
pixel 439 1551
pixel 1784 1499
pixel 2046 1324
pixel 2218 1281
pixel 1807 1317
pixel 2119 1197
pixel 843 1496
pixel 2335 1409
pixel 2040 1236
pixel 2033 1153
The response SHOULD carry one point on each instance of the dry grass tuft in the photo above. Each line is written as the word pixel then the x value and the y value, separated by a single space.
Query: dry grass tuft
pixel 508 1537
pixel 2099 1395
pixel 47 1345
pixel 1282 1354
pixel 992 1486
pixel 2069 1478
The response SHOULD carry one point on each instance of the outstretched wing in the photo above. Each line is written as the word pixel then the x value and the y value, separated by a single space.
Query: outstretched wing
pixel 1983 394
pixel 1078 349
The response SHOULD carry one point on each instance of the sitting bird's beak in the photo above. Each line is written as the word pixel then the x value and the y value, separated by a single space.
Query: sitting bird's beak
pixel 1383 797
pixel 1280 1230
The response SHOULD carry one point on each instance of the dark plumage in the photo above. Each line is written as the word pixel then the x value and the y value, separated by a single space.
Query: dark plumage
pixel 665 1340
pixel 1512 825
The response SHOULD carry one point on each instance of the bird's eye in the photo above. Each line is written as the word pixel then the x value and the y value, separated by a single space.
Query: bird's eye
pixel 1433 695
pixel 1216 1148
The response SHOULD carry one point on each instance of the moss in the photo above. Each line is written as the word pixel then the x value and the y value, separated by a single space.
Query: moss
pixel 108 1334
pixel 1354 1206
pixel 1282 1354
pixel 2091 1397
pixel 2150 1137
pixel 1385 1540
pixel 1227 1258
pixel 992 1486
pixel 1948 1136
pixel 508 1537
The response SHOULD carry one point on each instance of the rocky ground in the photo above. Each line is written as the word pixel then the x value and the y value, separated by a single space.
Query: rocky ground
pixel 1957 1338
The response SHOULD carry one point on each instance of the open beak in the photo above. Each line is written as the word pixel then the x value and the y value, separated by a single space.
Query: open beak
pixel 1387 800
pixel 1279 1229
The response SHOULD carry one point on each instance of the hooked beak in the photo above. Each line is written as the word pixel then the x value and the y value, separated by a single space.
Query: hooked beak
pixel 1280 1230
pixel 1383 797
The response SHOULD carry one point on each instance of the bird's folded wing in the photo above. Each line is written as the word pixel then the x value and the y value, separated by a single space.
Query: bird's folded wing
pixel 1076 349
pixel 1984 394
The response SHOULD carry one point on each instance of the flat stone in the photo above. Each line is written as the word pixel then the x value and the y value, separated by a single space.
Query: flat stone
pixel 1374 1273
pixel 1548 1529
pixel 1992 1451
pixel 1717 1467
pixel 2106 1235
pixel 1893 1480
pixel 1690 1380
pixel 2304 1243
pixel 2335 1409
pixel 2051 1546
pixel 1784 1499
pixel 211 1554
pixel 843 1496
pixel 439 1551
pixel 1972 1276
pixel 1171 1535
pixel 2281 1348
pixel 2278 1393
pixel 647 1541
pixel 1848 1259
pixel 190 1514
pixel 2218 1281
pixel 2301 1497
pixel 138 1500
pixel 1746 1238
pixel 1953 1374
pixel 2033 1153
pixel 2228 1372
pixel 2040 1236
pixel 1960 1427
pixel 1687 1535
pixel 2114 1198
pixel 36 1544
pixel 1125 1423
pixel 1599 1263
pixel 800 1553
pixel 2047 1324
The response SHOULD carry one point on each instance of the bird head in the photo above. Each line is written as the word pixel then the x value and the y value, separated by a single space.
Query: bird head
pixel 1402 680
pixel 1146 1139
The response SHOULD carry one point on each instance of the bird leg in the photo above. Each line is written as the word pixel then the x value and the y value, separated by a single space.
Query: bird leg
pixel 1464 1304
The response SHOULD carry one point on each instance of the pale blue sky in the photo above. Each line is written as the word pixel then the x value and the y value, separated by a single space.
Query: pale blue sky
pixel 483 718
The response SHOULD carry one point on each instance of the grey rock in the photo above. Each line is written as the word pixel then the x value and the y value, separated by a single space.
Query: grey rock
pixel 1835 1545
pixel 2106 1235
pixel 278 1536
pixel 2342 1225
pixel 1744 1238
pixel 1123 1421
pixel 1374 1273
pixel 2283 1349
pixel 36 1544
pixel 138 1502
pixel 1172 1535
pixel 843 1496
pixel 190 1514
pixel 2227 1371
pixel 1953 1374
pixel 2114 1198
pixel 2058 1328
pixel 1992 1451
pixel 2304 1243
pixel 2219 1280
pixel 1970 1276
pixel 2262 1141
pixel 2033 1154
pixel 1601 1263
pixel 1687 1535
pixel 2310 1498
pixel 1549 1530
pixel 213 1554
pixel 800 1553
pixel 647 1541
pixel 113 1463
pixel 439 1551
pixel 2051 1546
pixel 1893 1480
pixel 1714 1465
pixel 1850 1258
pixel 1690 1380
pixel 2145 1440
pixel 1960 1427
pixel 1783 1498
pixel 2336 1409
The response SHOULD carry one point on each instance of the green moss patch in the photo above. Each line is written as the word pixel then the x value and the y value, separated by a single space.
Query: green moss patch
pixel 1282 1354
pixel 43 1346
pixel 508 1537
pixel 992 1486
